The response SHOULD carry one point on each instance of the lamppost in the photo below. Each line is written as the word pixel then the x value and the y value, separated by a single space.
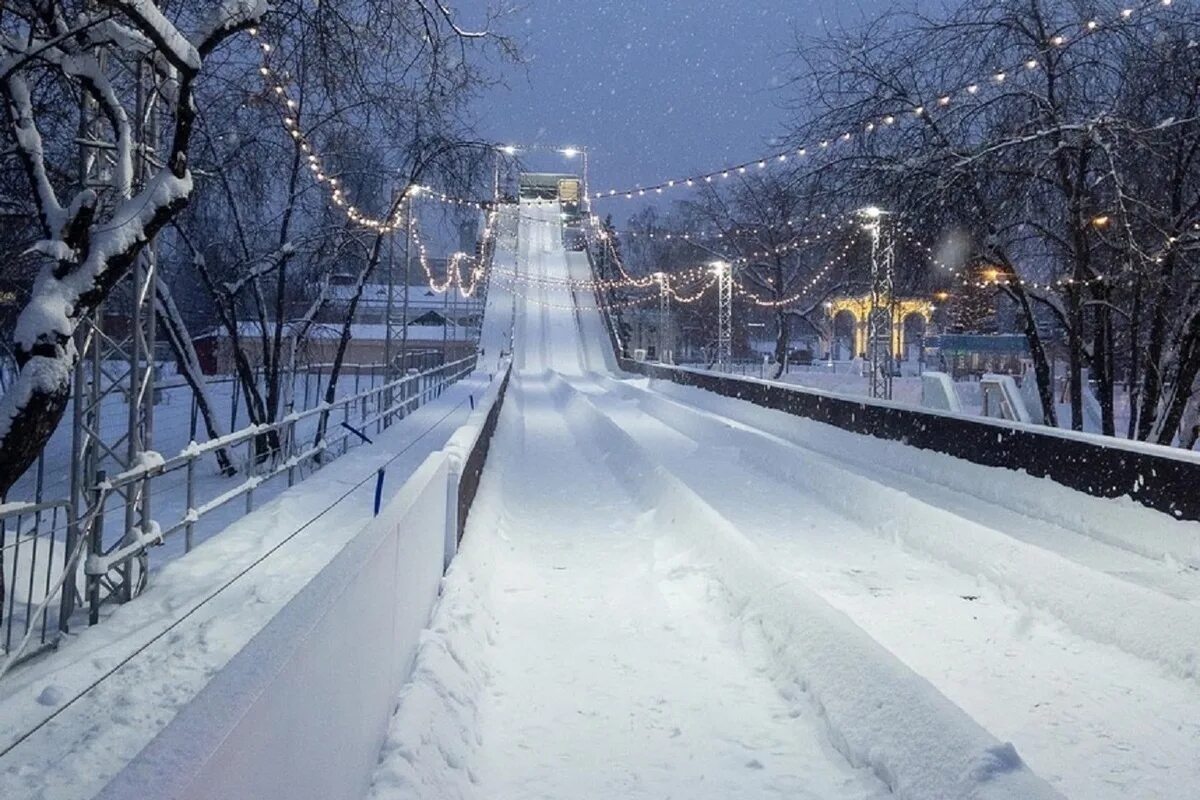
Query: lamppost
pixel 507 150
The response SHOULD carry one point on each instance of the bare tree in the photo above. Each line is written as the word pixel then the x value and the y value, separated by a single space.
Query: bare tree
pixel 83 53
pixel 1041 149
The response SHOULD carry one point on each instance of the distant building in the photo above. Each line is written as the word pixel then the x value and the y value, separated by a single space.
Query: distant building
pixel 974 354
pixel 367 345
pixel 447 323
pixel 847 318
pixel 566 189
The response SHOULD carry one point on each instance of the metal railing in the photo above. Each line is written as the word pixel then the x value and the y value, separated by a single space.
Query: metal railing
pixel 43 543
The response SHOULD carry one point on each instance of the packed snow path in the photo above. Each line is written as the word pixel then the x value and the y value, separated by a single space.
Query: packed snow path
pixel 589 645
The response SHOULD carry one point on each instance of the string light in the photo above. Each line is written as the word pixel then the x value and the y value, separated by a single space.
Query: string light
pixel 453 267
pixel 873 122
pixel 809 285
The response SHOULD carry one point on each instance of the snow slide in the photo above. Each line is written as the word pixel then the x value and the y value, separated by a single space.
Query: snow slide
pixel 607 631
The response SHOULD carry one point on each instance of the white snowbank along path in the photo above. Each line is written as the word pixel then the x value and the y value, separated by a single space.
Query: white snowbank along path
pixel 665 593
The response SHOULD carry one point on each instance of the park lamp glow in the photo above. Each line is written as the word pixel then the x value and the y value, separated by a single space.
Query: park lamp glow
pixel 508 149
pixel 570 152
pixel 719 267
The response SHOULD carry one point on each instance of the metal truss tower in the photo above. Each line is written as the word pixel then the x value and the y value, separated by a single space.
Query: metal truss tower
pixel 881 310
pixel 724 273
pixel 115 368
pixel 664 319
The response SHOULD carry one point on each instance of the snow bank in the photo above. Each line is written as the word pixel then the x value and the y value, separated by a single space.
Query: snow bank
pixel 431 741
pixel 879 713
pixel 1121 522
pixel 1140 621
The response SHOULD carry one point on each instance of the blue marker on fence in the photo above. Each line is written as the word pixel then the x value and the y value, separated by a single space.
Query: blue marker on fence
pixel 357 432
pixel 378 490
pixel 471 397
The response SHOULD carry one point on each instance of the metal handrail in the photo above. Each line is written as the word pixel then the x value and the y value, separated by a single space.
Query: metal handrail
pixel 252 432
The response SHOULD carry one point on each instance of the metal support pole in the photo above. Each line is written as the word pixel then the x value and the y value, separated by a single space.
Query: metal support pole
pixel 407 285
pixel 879 313
pixel 191 504
pixel 724 274
pixel 664 318
pixel 391 308
pixel 96 548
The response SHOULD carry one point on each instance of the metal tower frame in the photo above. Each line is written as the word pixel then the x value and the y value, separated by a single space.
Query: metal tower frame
pixel 724 273
pixel 881 310
pixel 116 360
pixel 664 319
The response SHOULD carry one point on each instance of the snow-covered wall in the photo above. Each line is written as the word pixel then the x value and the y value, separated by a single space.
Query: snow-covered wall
pixel 1162 478
pixel 302 710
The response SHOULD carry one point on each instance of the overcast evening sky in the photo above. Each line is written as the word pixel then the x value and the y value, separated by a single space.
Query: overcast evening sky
pixel 653 90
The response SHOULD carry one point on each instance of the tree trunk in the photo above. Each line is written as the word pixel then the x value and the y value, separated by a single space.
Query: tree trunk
pixel 1037 352
pixel 1075 357
pixel 1102 363
pixel 344 339
pixel 189 366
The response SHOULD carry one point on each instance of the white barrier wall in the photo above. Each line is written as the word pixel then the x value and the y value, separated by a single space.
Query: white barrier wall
pixel 302 710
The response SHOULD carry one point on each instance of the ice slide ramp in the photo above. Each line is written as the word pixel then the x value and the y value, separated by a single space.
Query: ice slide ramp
pixel 668 593
pixel 558 327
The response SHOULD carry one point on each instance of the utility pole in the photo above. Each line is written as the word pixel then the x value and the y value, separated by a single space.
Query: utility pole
pixel 724 273
pixel 880 311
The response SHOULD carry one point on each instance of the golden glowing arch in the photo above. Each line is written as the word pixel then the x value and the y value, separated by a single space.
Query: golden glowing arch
pixel 858 308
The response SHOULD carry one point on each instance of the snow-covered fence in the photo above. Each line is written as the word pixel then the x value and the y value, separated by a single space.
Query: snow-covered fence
pixel 39 543
pixel 1159 477
pixel 358 414
pixel 302 711
pixel 31 560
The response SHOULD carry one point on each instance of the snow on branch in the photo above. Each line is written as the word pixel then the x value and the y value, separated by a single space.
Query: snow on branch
pixel 230 16
pixel 175 47
pixel 29 147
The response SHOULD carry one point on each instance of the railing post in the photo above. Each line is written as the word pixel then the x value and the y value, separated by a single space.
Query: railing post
pixel 250 472
pixel 346 420
pixel 290 451
pixel 191 504
pixel 96 547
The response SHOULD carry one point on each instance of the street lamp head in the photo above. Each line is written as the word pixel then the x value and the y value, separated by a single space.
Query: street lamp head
pixel 509 149
pixel 570 152
pixel 719 266
pixel 871 212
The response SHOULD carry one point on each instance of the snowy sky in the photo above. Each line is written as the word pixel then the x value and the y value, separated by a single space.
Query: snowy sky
pixel 653 89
